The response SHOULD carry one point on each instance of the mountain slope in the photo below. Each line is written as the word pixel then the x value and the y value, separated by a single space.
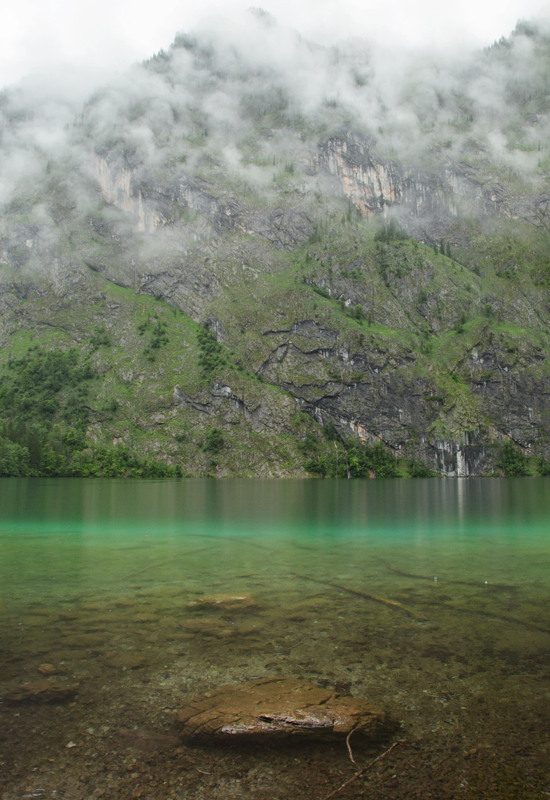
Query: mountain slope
pixel 273 256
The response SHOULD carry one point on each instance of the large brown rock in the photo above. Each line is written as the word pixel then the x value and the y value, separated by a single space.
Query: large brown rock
pixel 274 709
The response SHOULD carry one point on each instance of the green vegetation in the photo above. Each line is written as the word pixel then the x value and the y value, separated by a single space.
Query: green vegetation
pixel 512 460
pixel 356 459
pixel 210 357
pixel 118 462
pixel 44 414
pixel 390 231
pixel 214 440
pixel 100 338
pixel 158 336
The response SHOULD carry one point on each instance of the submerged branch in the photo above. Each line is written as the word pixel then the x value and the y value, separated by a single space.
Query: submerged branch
pixel 476 584
pixel 359 772
pixel 366 596
pixel 480 612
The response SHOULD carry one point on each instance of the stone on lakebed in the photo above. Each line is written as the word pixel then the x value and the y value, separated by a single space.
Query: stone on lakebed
pixel 40 692
pixel 224 602
pixel 274 709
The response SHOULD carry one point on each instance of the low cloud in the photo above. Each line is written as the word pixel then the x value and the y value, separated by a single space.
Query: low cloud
pixel 252 98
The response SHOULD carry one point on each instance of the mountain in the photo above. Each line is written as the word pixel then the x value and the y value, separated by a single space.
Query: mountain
pixel 252 255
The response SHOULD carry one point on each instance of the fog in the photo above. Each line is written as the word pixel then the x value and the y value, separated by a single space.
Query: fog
pixel 246 98
pixel 97 35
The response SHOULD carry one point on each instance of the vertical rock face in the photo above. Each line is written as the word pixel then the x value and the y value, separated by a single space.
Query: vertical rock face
pixel 369 183
pixel 430 200
pixel 118 189
pixel 460 459
pixel 193 206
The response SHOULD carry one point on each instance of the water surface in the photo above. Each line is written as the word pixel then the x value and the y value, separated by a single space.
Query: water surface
pixel 429 596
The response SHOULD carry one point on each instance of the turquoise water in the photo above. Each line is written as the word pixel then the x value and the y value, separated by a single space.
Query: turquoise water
pixel 59 533
pixel 430 596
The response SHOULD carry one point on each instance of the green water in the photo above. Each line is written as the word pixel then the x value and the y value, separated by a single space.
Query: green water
pixel 58 536
pixel 429 596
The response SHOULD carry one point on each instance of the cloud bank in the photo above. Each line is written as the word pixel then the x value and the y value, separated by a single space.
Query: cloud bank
pixel 245 101
pixel 96 35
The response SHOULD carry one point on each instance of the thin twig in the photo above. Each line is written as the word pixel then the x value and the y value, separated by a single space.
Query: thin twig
pixel 350 751
pixel 359 772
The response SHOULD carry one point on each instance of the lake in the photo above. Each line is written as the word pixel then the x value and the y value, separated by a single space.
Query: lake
pixel 429 597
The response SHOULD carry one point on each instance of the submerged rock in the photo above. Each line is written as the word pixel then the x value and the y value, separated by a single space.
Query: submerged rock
pixel 124 661
pixel 40 692
pixel 225 602
pixel 47 669
pixel 275 709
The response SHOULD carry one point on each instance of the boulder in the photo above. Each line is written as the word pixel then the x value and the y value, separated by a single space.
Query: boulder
pixel 275 709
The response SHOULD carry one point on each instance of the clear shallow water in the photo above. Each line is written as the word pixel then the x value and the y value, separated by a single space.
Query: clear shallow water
pixel 430 596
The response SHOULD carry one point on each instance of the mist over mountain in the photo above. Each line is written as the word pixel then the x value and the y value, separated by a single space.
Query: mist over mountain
pixel 277 257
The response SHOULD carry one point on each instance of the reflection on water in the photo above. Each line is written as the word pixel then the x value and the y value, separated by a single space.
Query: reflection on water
pixel 110 577
pixel 59 534
pixel 298 508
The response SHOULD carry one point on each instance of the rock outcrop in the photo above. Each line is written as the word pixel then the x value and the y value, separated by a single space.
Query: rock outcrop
pixel 427 202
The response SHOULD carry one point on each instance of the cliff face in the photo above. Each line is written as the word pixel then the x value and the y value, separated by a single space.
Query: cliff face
pixel 427 203
pixel 380 394
pixel 370 184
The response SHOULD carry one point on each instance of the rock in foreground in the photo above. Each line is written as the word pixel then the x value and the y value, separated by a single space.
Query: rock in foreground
pixel 275 709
